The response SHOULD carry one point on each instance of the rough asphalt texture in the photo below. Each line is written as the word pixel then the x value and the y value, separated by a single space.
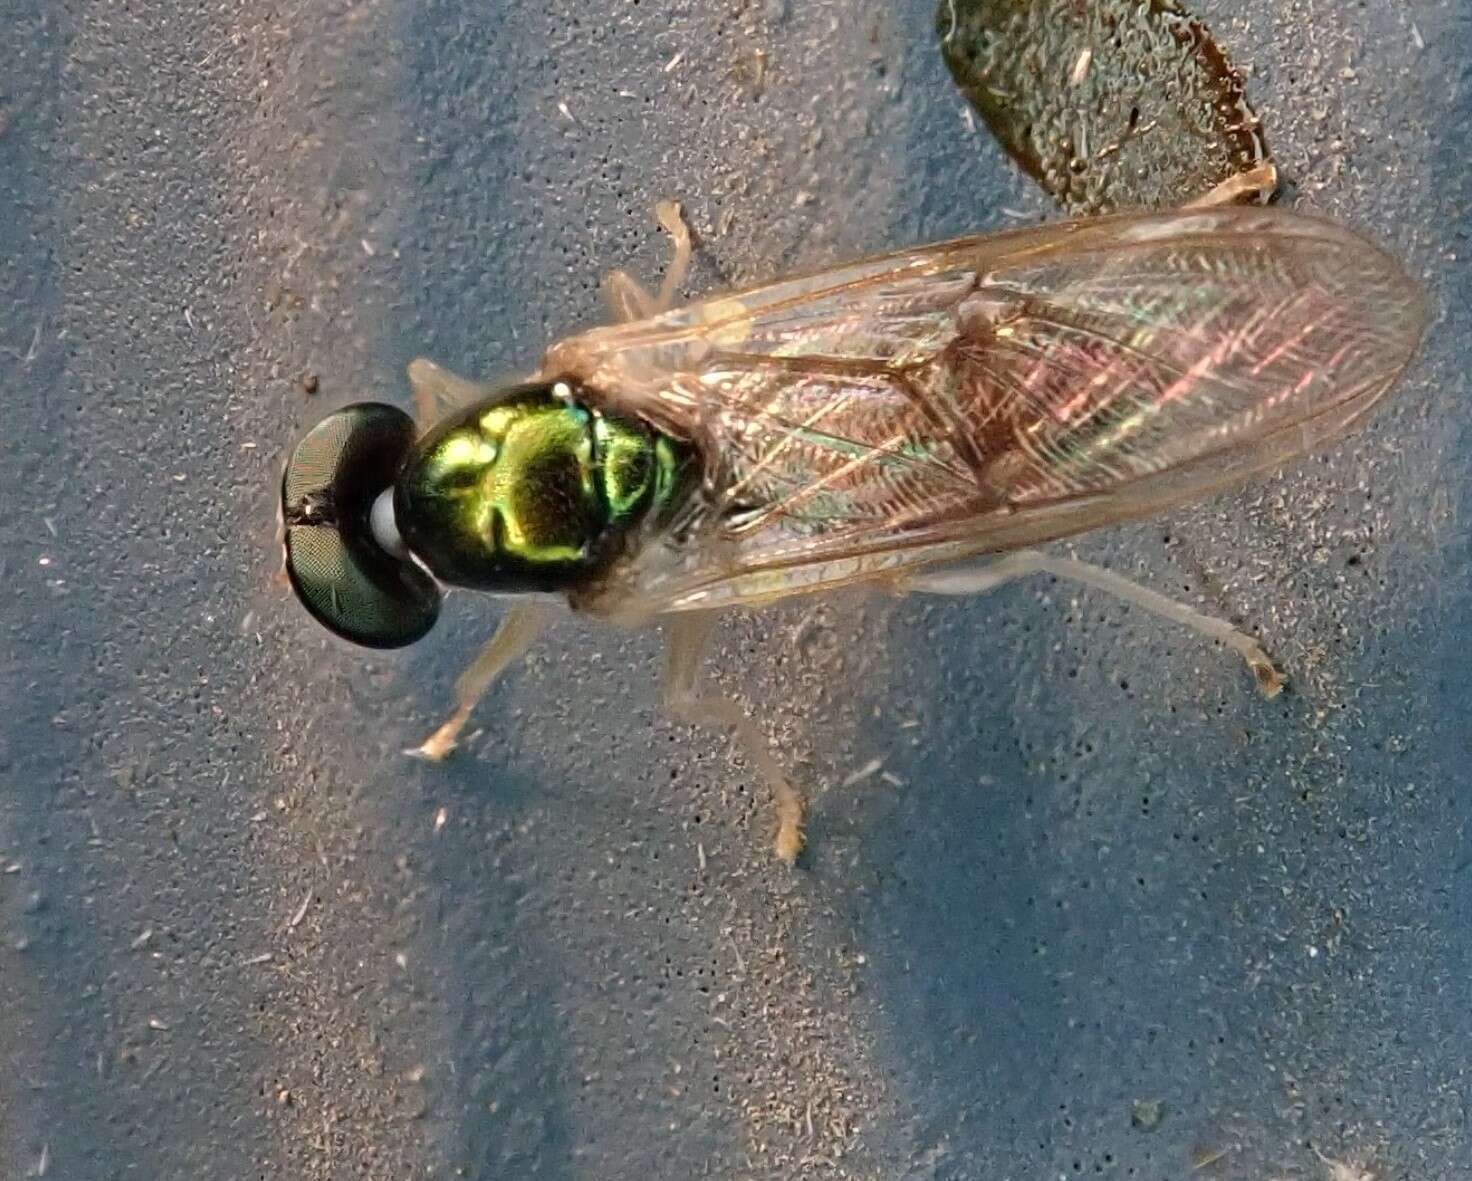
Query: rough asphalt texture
pixel 1097 910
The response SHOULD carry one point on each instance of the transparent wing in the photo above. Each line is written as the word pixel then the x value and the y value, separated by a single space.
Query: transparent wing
pixel 994 392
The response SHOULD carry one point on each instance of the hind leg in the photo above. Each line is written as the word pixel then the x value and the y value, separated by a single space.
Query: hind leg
pixel 976 579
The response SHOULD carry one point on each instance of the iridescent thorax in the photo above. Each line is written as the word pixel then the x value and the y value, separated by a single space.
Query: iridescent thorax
pixel 534 489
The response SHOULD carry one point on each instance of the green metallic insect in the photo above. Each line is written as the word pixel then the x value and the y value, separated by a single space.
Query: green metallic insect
pixel 899 421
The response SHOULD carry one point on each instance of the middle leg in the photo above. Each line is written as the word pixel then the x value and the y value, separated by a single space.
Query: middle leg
pixel 627 299
pixel 1258 182
pixel 688 634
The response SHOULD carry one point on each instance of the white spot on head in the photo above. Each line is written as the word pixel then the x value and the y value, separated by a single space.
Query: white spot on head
pixel 385 527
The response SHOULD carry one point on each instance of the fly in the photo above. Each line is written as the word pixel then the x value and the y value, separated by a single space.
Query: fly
pixel 916 421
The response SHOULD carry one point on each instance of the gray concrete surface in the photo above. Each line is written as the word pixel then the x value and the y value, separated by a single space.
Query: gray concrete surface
pixel 242 938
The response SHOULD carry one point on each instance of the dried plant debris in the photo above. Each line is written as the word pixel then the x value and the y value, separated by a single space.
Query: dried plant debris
pixel 1108 104
pixel 1346 1170
pixel 1147 1114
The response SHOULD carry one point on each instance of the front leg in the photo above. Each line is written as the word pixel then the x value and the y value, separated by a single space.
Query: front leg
pixel 688 634
pixel 519 629
pixel 437 391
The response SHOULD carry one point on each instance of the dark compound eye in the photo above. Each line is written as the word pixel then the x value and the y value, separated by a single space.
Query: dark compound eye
pixel 350 583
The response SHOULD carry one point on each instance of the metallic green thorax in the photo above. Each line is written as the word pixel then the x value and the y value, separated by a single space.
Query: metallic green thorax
pixel 534 490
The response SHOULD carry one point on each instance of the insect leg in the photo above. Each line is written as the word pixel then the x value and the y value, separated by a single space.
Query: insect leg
pixel 437 391
pixel 673 224
pixel 626 299
pixel 281 578
pixel 966 580
pixel 687 636
pixel 1259 181
pixel 518 631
